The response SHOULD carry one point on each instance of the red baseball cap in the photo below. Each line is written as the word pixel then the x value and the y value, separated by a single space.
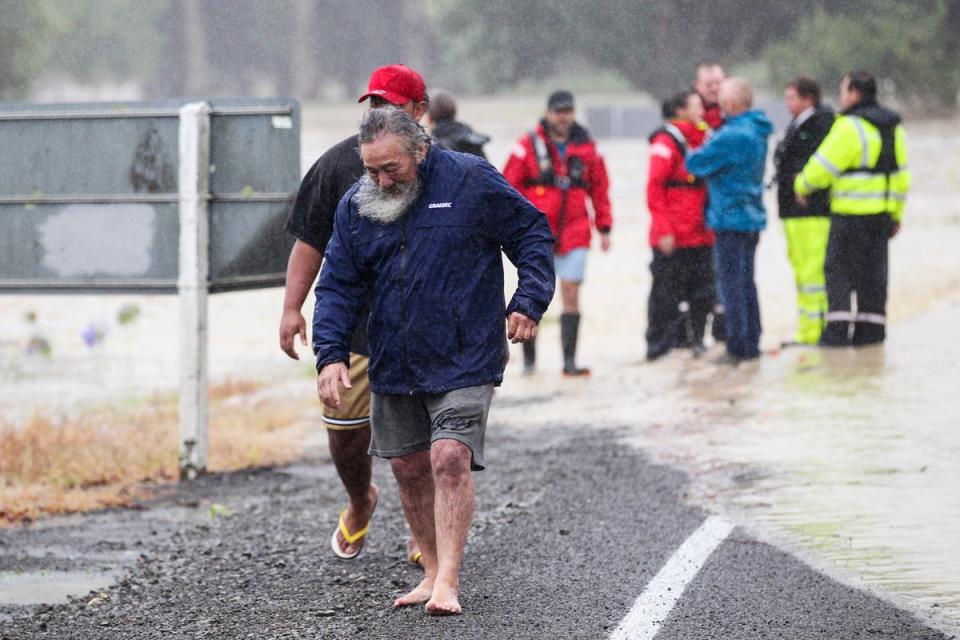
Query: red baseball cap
pixel 396 84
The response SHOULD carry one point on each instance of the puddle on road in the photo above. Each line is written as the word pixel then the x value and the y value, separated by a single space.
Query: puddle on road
pixel 17 589
pixel 97 548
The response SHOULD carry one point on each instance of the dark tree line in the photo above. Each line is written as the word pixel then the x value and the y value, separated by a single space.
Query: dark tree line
pixel 654 44
pixel 313 48
pixel 305 48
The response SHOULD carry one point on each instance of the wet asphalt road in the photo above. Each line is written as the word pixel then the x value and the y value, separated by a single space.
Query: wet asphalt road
pixel 569 530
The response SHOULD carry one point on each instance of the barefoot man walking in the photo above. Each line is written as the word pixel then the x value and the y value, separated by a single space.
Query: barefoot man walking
pixel 420 238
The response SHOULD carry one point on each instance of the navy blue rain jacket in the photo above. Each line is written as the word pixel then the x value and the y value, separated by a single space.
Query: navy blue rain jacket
pixel 434 279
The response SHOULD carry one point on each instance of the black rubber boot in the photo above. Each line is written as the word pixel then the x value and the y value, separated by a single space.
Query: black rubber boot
pixel 719 327
pixel 529 357
pixel 865 333
pixel 835 334
pixel 569 330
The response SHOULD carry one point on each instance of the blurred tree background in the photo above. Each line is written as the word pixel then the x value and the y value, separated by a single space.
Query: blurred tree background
pixel 326 48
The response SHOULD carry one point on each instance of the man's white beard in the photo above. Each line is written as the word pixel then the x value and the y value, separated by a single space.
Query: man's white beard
pixel 385 205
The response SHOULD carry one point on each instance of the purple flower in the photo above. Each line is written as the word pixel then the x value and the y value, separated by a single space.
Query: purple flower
pixel 93 335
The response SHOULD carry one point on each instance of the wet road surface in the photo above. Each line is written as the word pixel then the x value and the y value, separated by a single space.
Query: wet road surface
pixel 570 530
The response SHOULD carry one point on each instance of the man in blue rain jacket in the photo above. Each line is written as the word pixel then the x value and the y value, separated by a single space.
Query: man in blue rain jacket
pixel 732 163
pixel 420 237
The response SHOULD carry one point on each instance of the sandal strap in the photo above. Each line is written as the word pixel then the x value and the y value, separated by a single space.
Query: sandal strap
pixel 351 537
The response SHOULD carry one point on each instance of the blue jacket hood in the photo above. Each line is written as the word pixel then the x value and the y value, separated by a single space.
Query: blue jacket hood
pixel 754 118
pixel 434 279
pixel 733 162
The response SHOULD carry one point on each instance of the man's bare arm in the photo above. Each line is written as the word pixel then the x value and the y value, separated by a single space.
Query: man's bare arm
pixel 302 269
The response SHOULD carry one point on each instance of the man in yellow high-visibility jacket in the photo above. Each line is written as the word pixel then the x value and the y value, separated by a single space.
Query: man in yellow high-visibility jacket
pixel 863 161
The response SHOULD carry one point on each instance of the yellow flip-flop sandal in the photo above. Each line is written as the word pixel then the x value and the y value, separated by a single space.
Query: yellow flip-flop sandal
pixel 414 558
pixel 350 538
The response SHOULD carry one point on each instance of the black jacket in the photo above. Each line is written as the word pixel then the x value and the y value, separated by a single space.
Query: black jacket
pixel 458 136
pixel 791 156
pixel 311 218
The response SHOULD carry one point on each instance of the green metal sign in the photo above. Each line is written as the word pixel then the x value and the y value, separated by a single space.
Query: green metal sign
pixel 90 195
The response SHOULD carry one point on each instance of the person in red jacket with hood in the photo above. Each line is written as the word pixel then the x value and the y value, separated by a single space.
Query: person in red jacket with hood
pixel 682 293
pixel 557 168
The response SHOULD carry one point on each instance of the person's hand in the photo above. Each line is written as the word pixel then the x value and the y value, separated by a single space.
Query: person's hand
pixel 801 199
pixel 328 383
pixel 666 244
pixel 605 242
pixel 520 328
pixel 894 229
pixel 291 324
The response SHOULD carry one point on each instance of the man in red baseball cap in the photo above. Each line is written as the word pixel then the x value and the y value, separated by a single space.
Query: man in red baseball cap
pixel 397 85
pixel 311 223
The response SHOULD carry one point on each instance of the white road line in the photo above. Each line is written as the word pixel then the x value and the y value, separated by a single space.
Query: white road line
pixel 654 604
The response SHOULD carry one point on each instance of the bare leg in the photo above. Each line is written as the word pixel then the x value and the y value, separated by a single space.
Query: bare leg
pixel 570 296
pixel 354 466
pixel 415 486
pixel 454 488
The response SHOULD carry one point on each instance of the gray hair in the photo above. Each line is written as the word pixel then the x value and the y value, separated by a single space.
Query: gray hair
pixel 377 123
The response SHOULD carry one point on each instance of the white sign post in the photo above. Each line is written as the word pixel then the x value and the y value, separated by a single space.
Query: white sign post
pixel 193 287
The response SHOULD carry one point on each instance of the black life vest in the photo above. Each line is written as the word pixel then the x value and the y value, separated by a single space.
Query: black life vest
pixel 546 176
pixel 886 122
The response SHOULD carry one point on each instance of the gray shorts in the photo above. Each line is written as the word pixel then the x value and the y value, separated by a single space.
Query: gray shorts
pixel 402 424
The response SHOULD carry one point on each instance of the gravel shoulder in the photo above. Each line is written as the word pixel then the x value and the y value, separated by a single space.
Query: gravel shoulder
pixel 570 527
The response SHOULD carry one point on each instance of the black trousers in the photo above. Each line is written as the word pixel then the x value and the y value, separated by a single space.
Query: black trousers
pixel 685 275
pixel 856 265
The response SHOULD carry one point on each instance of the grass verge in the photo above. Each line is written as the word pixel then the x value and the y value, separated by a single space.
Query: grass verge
pixel 113 456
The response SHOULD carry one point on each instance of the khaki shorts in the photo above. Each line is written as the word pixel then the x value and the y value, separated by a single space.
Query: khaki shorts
pixel 354 411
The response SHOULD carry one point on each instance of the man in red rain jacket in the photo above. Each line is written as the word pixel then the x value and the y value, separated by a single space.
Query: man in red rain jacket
pixel 710 76
pixel 682 292
pixel 557 167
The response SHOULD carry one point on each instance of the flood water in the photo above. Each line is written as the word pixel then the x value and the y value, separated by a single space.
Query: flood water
pixel 852 453
pixel 848 457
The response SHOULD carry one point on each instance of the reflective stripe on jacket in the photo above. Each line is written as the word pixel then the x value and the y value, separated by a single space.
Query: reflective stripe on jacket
pixel 845 164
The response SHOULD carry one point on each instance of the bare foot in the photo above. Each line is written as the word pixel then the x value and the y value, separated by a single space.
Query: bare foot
pixel 418 596
pixel 444 601
pixel 357 519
